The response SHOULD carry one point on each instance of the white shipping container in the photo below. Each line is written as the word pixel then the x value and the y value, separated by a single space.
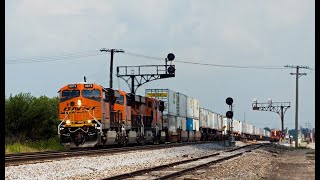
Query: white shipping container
pixel 250 127
pixel 210 120
pixel 190 107
pixel 183 123
pixel 181 105
pixel 172 121
pixel 234 125
pixel 247 128
pixel 196 107
pixel 220 122
pixel 256 131
pixel 225 124
pixel 244 128
pixel 216 123
pixel 202 118
pixel 169 98
pixel 196 124
pixel 179 122
pixel 239 127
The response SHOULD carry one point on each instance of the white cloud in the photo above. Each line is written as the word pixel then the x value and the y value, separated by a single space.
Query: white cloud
pixel 152 12
pixel 240 37
pixel 285 12
pixel 58 7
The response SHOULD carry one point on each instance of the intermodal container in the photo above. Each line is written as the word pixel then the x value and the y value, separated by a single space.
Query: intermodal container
pixel 181 105
pixel 181 121
pixel 225 125
pixel 196 124
pixel 210 120
pixel 203 118
pixel 189 124
pixel 190 107
pixel 172 121
pixel 196 107
pixel 169 98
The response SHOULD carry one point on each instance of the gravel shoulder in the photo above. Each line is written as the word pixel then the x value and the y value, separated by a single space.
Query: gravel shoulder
pixel 264 163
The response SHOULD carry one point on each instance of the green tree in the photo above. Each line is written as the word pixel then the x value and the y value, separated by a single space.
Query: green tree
pixel 16 111
pixel 43 118
pixel 27 117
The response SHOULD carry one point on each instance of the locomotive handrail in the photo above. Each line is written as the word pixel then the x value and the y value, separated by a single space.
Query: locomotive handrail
pixel 96 121
pixel 65 113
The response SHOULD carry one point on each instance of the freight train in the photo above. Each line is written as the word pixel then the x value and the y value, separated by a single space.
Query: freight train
pixel 91 115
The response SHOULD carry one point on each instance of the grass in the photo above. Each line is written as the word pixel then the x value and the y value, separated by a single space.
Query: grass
pixel 35 146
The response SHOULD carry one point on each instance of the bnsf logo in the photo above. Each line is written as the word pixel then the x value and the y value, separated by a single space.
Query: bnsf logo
pixel 68 108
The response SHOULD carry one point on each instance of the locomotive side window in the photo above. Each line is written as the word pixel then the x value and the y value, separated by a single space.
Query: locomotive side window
pixel 120 100
pixel 91 93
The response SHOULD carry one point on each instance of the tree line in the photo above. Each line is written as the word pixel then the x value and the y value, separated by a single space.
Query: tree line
pixel 29 118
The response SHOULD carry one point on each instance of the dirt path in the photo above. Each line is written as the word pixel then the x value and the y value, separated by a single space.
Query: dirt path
pixel 293 165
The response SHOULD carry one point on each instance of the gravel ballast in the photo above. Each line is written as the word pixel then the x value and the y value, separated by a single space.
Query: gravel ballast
pixel 97 167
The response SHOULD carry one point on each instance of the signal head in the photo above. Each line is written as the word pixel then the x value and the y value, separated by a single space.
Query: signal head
pixel 229 114
pixel 171 70
pixel 229 101
pixel 170 56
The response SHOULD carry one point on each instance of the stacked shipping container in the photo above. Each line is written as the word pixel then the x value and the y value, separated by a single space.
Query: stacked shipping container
pixel 183 114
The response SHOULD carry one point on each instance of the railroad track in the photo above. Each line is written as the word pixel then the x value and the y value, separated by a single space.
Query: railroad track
pixel 177 169
pixel 19 158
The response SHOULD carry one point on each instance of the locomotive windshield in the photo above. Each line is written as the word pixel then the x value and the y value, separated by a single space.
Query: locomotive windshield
pixel 91 93
pixel 120 100
pixel 70 93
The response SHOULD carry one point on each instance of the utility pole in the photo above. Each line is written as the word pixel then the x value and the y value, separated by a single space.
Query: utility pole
pixel 297 88
pixel 112 51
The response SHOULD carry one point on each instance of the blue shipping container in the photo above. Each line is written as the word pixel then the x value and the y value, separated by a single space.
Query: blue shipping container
pixel 189 125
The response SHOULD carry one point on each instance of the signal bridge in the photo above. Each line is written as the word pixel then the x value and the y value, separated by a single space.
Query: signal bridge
pixel 277 107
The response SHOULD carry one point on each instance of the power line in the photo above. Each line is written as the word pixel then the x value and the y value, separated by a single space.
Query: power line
pixel 51 58
pixel 205 64
pixel 96 53
pixel 62 54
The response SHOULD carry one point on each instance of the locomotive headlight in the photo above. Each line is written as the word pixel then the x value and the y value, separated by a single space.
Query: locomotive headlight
pixel 89 121
pixel 68 121
pixel 79 102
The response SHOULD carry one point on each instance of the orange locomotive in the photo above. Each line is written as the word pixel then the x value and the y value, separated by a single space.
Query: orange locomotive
pixel 92 115
pixel 275 135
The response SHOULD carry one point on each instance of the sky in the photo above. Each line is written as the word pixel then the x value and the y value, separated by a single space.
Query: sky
pixel 51 43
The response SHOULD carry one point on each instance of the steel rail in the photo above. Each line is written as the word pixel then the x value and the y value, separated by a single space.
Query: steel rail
pixel 155 172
